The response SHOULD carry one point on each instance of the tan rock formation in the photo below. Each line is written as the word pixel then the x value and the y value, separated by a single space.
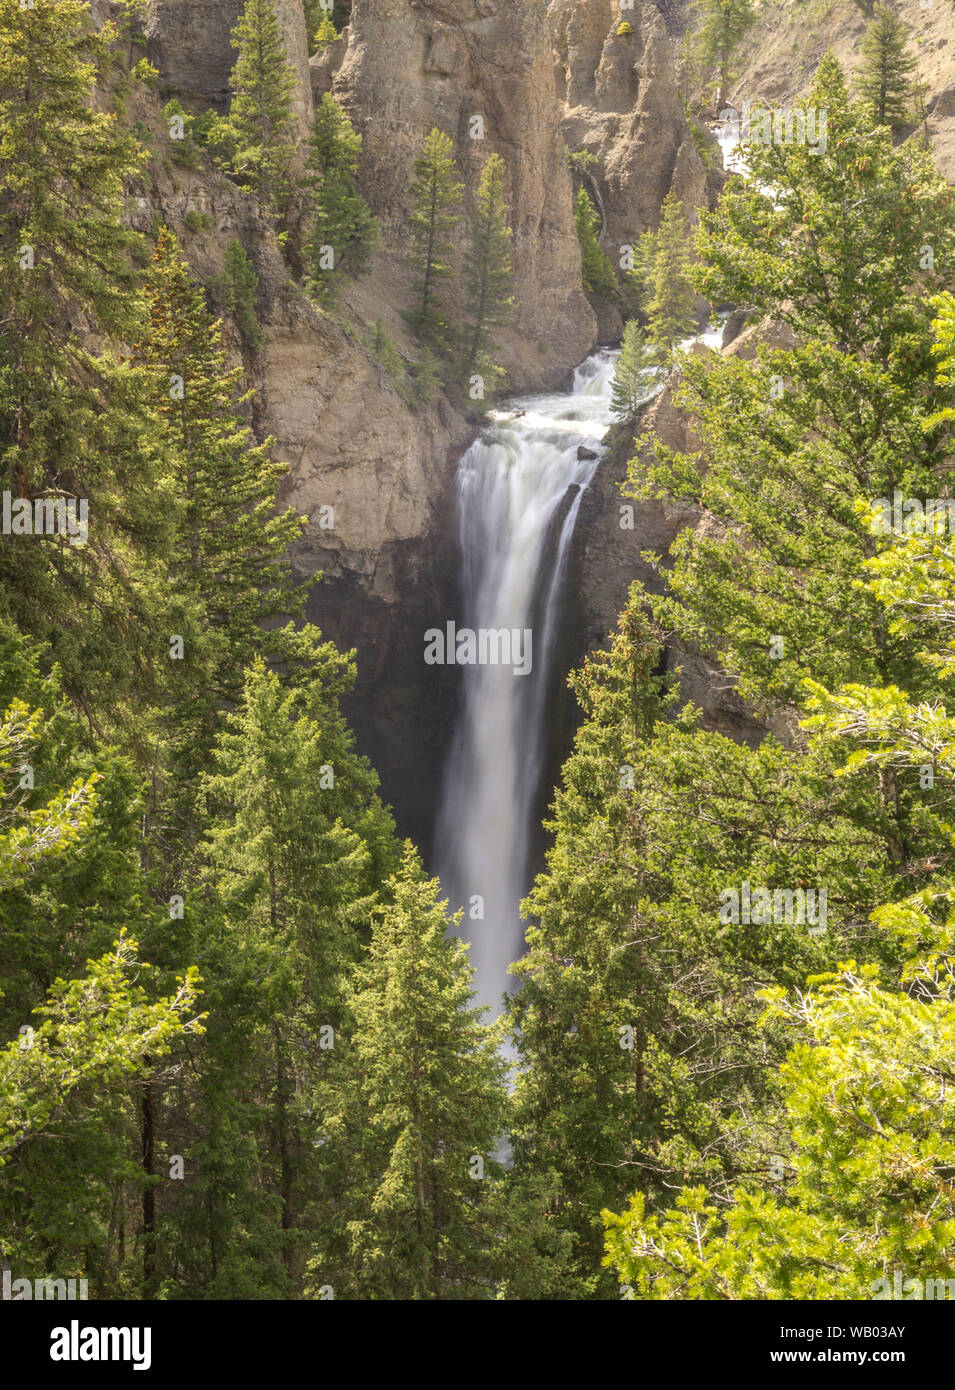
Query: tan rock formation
pixel 622 106
pixel 471 67
pixel 782 52
pixel 189 41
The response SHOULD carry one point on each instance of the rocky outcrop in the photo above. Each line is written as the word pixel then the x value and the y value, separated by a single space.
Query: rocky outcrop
pixel 614 72
pixel 324 64
pixel 190 44
pixel 781 54
pixel 374 476
pixel 481 71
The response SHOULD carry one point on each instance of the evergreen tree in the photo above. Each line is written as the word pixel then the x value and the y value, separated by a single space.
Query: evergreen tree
pixel 344 232
pixel 661 281
pixel 289 876
pixel 718 29
pixel 326 32
pixel 436 196
pixel 297 846
pixel 428 381
pixel 229 560
pixel 61 1091
pixel 62 191
pixel 654 821
pixel 50 922
pixel 598 275
pixel 857 1210
pixel 387 353
pixel 68 874
pixel 863 311
pixel 238 284
pixel 260 115
pixel 686 814
pixel 635 372
pixel 858 1200
pixel 74 425
pixel 487 272
pixel 944 328
pixel 415 1113
pixel 323 22
pixel 886 80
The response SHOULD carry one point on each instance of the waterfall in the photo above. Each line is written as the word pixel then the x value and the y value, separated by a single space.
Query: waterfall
pixel 519 492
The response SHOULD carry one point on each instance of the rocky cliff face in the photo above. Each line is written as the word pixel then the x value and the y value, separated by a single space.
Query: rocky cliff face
pixel 359 456
pixel 189 42
pixel 782 53
pixel 481 71
pixel 621 105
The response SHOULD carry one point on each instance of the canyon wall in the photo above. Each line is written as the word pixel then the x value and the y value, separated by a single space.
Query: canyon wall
pixel 527 77
pixel 780 56
pixel 614 73
pixel 481 71
pixel 190 44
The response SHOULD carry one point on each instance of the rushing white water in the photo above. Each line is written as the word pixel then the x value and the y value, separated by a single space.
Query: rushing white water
pixel 519 492
pixel 520 487
pixel 734 158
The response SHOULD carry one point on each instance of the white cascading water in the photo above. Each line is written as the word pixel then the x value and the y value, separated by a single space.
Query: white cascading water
pixel 513 486
pixel 517 516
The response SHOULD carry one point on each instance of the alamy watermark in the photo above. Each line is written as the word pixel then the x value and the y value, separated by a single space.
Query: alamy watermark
pixel 912 1289
pixel 777 125
pixel 75 1343
pixel 13 1290
pixel 485 646
pixel 904 516
pixel 45 516
pixel 791 907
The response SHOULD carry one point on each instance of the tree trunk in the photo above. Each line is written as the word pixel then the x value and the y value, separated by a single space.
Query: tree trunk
pixel 149 1191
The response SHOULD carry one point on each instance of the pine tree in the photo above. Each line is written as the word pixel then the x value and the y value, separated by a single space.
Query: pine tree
pixel 635 372
pixel 830 1216
pixel 428 381
pixel 61 1102
pixel 416 1111
pixel 260 114
pixel 831 1219
pixel 855 299
pixel 944 329
pixel 297 845
pixel 73 423
pixel 386 351
pixel 68 880
pixel 238 284
pixel 719 28
pixel 62 182
pixel 845 415
pixel 661 281
pixel 886 80
pixel 229 561
pixel 51 921
pixel 344 232
pixel 326 32
pixel 321 19
pixel 436 196
pixel 598 275
pixel 487 272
